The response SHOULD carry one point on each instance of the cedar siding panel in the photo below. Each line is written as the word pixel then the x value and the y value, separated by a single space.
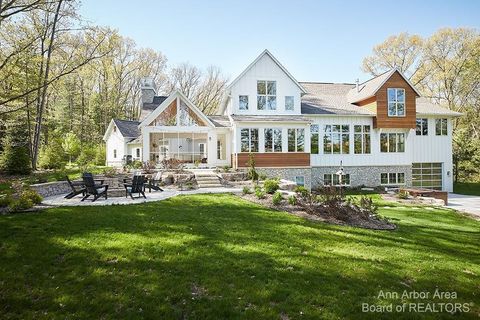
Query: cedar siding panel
pixel 382 119
pixel 275 159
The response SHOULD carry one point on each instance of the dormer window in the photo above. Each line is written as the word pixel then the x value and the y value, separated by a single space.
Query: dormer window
pixel 396 102
pixel 266 95
pixel 243 102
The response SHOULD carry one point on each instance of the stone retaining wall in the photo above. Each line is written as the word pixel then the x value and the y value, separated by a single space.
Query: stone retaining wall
pixel 51 188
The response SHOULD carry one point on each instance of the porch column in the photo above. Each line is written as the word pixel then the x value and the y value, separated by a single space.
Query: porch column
pixel 145 144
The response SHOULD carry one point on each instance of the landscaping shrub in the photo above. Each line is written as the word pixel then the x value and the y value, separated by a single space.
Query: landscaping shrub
pixel 33 196
pixel 259 193
pixel 137 164
pixel 366 203
pixel 403 195
pixel 226 168
pixel 262 176
pixel 292 200
pixel 252 173
pixel 277 198
pixel 271 185
pixel 5 200
pixel 246 190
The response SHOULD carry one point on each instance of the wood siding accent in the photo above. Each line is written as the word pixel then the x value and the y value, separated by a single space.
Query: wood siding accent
pixel 275 159
pixel 366 101
pixel 382 120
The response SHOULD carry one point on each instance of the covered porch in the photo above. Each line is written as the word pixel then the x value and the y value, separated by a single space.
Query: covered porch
pixel 187 147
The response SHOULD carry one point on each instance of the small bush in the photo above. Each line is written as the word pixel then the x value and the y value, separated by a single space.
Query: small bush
pixel 5 201
pixel 226 168
pixel 20 204
pixel 262 176
pixel 403 195
pixel 271 185
pixel 136 164
pixel 292 200
pixel 277 198
pixel 246 190
pixel 301 191
pixel 252 173
pixel 33 196
pixel 259 193
pixel 366 203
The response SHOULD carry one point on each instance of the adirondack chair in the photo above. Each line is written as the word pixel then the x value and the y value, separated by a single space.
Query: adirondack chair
pixel 154 182
pixel 137 186
pixel 77 188
pixel 93 189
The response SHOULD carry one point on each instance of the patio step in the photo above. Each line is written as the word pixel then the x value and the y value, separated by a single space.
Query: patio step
pixel 208 181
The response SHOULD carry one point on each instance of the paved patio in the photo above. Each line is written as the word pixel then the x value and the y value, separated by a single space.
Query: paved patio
pixel 464 203
pixel 59 200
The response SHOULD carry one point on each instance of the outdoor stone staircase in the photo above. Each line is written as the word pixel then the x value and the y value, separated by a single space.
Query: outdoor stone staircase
pixel 208 180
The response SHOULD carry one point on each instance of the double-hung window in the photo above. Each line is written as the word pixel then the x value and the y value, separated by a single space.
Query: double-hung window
pixel 273 140
pixel 243 102
pixel 249 140
pixel 396 102
pixel 392 142
pixel 422 127
pixel 266 95
pixel 361 139
pixel 296 140
pixel 314 138
pixel 441 127
pixel 336 139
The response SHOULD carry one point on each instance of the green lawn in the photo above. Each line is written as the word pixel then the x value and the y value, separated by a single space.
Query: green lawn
pixel 467 188
pixel 219 257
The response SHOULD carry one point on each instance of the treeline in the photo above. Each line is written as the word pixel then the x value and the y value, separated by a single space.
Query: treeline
pixel 445 67
pixel 60 75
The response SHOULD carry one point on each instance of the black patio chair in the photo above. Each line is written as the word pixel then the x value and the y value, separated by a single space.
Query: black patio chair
pixel 154 182
pixel 92 189
pixel 77 188
pixel 137 186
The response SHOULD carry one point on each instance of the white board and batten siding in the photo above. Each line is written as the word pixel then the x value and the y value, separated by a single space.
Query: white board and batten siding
pixel 264 69
pixel 115 141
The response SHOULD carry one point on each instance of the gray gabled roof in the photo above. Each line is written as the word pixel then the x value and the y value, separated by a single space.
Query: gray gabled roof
pixel 426 107
pixel 330 99
pixel 128 129
pixel 157 100
pixel 220 121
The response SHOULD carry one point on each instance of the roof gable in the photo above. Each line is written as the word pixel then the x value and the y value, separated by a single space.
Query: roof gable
pixel 166 103
pixel 370 87
pixel 267 53
pixel 126 128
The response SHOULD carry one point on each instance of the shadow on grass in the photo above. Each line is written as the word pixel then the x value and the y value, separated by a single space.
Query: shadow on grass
pixel 218 256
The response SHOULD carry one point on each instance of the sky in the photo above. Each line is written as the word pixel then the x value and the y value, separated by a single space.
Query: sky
pixel 323 41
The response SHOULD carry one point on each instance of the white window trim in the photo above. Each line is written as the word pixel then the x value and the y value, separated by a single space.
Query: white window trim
pixel 397 141
pixel 331 133
pixel 296 139
pixel 396 103
pixel 390 183
pixel 363 135
pixel 421 127
pixel 338 185
pixel 250 140
pixel 266 95
pixel 285 102
pixel 114 153
pixel 248 102
pixel 273 140
pixel 442 132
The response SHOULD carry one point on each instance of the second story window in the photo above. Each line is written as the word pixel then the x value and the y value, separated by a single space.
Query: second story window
pixel 243 102
pixel 392 142
pixel 249 140
pixel 289 103
pixel 396 102
pixel 441 127
pixel 266 95
pixel 422 127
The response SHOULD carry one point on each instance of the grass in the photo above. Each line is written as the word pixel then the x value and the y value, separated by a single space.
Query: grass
pixel 469 188
pixel 220 257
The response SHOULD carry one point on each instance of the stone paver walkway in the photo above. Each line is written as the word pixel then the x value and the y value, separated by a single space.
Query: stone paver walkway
pixel 154 196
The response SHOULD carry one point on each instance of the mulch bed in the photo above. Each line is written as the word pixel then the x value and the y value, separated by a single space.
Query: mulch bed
pixel 372 222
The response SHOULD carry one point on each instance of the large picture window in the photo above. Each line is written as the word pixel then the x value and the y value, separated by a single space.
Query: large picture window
pixel 422 127
pixel 249 140
pixel 392 142
pixel 266 95
pixel 396 102
pixel 314 138
pixel 273 140
pixel 441 127
pixel 336 139
pixel 361 139
pixel 296 140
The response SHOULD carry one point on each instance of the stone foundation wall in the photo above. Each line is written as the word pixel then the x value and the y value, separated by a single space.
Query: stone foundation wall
pixel 51 188
pixel 288 173
pixel 361 175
